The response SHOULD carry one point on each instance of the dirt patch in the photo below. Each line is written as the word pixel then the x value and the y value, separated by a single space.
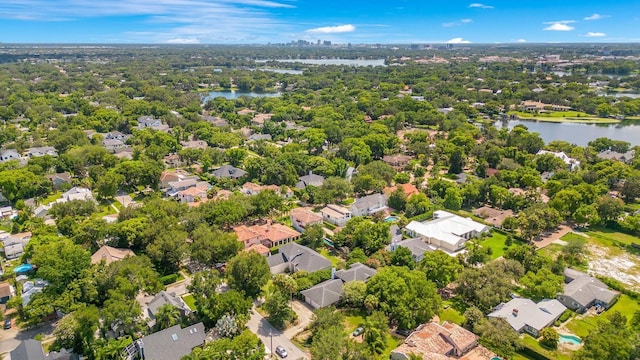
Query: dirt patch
pixel 623 267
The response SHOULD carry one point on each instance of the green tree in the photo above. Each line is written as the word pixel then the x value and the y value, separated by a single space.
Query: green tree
pixel 543 284
pixel 452 199
pixel 60 262
pixel 609 340
pixel 213 246
pixel 397 200
pixel 440 268
pixel 456 162
pixel 248 272
pixel 276 305
pixel 313 236
pixel 376 332
pixel 549 338
pixel 402 256
pixel 354 293
pixel 166 316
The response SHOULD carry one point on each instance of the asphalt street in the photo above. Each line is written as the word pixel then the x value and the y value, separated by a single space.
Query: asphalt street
pixel 261 327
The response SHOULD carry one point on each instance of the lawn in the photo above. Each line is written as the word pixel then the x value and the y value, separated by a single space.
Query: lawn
pixel 353 319
pixel 533 344
pixel 496 243
pixel 190 301
pixel 450 314
pixel 564 116
pixel 610 237
pixel 335 261
pixel 625 305
pixel 51 198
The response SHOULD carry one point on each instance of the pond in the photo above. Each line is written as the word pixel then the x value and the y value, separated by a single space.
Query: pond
pixel 579 134
pixel 234 94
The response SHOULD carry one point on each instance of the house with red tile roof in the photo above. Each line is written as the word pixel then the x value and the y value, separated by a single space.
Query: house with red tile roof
pixel 408 190
pixel 302 218
pixel 268 234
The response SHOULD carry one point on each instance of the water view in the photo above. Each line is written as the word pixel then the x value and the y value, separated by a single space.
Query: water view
pixel 234 94
pixel 349 62
pixel 579 134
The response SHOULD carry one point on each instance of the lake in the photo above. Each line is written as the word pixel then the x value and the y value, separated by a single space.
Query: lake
pixel 349 62
pixel 234 94
pixel 283 71
pixel 579 134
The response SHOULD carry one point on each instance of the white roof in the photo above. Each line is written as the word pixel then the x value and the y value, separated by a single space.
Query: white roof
pixel 446 227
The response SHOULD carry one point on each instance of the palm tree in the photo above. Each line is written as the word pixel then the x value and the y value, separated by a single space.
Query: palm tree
pixel 166 317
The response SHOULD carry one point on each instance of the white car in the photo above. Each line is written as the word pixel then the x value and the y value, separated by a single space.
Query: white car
pixel 282 352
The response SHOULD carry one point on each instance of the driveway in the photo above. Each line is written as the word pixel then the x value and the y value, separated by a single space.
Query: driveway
pixel 10 339
pixel 266 332
pixel 305 316
pixel 556 235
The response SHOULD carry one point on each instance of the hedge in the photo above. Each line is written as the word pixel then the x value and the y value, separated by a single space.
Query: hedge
pixel 169 279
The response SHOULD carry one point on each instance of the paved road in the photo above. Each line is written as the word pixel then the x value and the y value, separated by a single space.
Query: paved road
pixel 261 327
pixel 10 339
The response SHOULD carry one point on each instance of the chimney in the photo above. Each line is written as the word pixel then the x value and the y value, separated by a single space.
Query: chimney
pixel 310 172
pixel 140 348
pixel 515 312
pixel 333 273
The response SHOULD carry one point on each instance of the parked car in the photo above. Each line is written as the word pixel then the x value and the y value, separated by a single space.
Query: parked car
pixel 358 331
pixel 404 332
pixel 7 323
pixel 280 351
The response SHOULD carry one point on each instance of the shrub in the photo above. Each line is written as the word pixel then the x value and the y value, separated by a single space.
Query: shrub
pixel 169 279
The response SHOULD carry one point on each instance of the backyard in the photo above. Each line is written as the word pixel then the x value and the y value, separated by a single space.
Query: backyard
pixel 581 325
pixel 496 243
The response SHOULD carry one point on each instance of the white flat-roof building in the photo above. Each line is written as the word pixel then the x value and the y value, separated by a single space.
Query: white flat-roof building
pixel 447 231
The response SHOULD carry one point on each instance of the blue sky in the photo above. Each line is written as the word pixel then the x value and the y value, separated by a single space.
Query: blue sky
pixel 341 21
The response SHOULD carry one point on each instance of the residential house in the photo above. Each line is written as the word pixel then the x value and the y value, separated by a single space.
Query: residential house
pixel 8 155
pixel 294 257
pixel 416 245
pixel 168 177
pixel 15 244
pixel 524 315
pixel 172 161
pixel 215 121
pixel 614 155
pixel 193 195
pixel 433 341
pixel 310 180
pixel 110 254
pixel 303 218
pixel 533 106
pixel 399 162
pixel 335 214
pixel 368 205
pixel 268 234
pixel 8 212
pixel 258 137
pixel 76 193
pixel 29 349
pixel 194 144
pixel 171 343
pixel 259 248
pixel 60 180
pixel 116 135
pixel 407 189
pixel 324 294
pixel 582 291
pixel 176 187
pixel 6 292
pixel 40 151
pixel 150 122
pixel 229 172
pixel 245 112
pixel 330 292
pixel 447 231
pixel 493 216
pixel 111 145
pixel 125 153
pixel 572 164
pixel 259 119
pixel 30 288
pixel 250 188
pixel 166 298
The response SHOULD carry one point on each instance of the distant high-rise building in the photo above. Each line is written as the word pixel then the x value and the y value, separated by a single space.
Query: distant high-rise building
pixel 327 43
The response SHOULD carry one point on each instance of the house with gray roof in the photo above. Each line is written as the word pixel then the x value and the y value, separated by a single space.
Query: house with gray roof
pixel 324 294
pixel 368 205
pixel 310 180
pixel 524 315
pixel 228 171
pixel 171 343
pixel 416 245
pixel 166 298
pixel 29 349
pixel 296 257
pixel 40 151
pixel 582 291
pixel 356 272
pixel 8 155
pixel 258 137
pixel 331 291
pixel 614 155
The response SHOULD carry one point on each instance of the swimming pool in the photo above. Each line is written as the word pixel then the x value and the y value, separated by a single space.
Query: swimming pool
pixel 391 219
pixel 569 339
pixel 23 268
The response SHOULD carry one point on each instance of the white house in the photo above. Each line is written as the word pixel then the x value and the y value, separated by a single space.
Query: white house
pixel 368 205
pixel 447 231
pixel 572 164
pixel 335 214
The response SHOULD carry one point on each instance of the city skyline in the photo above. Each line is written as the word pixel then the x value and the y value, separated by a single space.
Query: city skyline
pixel 283 21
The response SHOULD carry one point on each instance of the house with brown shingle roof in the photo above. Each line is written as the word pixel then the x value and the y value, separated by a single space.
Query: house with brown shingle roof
pixel 110 254
pixel 268 234
pixel 435 341
pixel 398 162
pixel 302 218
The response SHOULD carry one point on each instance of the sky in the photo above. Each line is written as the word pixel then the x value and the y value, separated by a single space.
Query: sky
pixel 339 21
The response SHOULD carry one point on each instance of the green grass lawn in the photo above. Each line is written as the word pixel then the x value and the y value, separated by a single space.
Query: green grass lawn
pixel 532 343
pixel 352 319
pixel 625 305
pixel 564 116
pixel 610 237
pixel 190 301
pixel 451 314
pixel 496 243
pixel 391 343
pixel 51 198
pixel 335 261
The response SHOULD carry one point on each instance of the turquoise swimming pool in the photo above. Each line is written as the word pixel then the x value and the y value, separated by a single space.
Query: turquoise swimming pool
pixel 391 219
pixel 569 339
pixel 23 268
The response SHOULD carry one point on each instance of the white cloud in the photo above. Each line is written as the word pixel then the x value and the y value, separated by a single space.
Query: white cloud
pixel 333 29
pixel 466 21
pixel 596 17
pixel 458 41
pixel 481 6
pixel 457 23
pixel 183 41
pixel 595 34
pixel 521 41
pixel 205 21
pixel 559 25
